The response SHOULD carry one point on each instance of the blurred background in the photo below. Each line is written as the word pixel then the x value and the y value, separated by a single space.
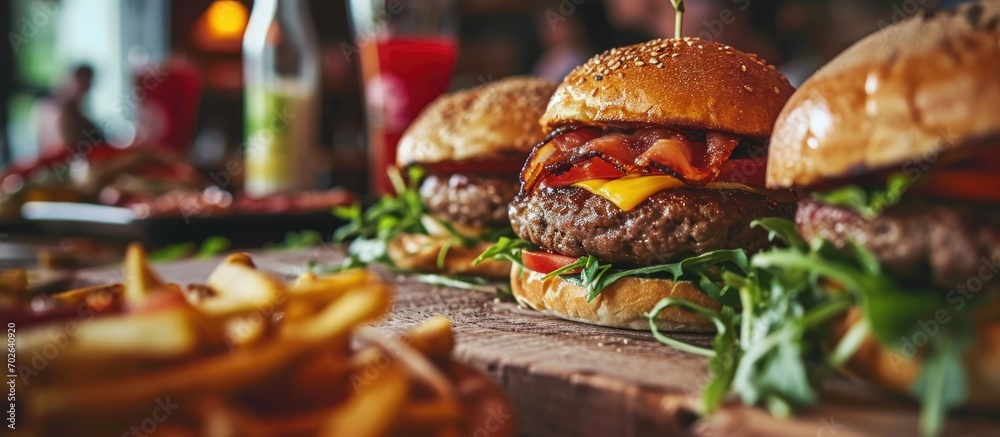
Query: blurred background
pixel 81 79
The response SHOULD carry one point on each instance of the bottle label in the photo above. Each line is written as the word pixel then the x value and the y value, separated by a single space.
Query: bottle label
pixel 275 139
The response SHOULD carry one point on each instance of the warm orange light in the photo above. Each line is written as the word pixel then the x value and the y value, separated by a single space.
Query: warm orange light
pixel 227 19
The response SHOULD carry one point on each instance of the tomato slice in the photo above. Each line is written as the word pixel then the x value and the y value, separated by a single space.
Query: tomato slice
pixel 750 171
pixel 966 184
pixel 546 262
pixel 593 168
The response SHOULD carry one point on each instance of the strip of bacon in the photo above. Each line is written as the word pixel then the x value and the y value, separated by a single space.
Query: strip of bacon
pixel 643 151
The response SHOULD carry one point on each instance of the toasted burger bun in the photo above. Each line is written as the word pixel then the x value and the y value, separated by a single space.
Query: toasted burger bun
pixel 419 253
pixel 896 372
pixel 672 82
pixel 498 120
pixel 623 304
pixel 915 89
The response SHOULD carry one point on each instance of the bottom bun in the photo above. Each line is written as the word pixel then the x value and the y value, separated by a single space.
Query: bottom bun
pixel 897 371
pixel 623 304
pixel 419 253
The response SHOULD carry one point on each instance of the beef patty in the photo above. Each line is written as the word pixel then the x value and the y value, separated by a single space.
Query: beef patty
pixel 940 246
pixel 469 199
pixel 669 226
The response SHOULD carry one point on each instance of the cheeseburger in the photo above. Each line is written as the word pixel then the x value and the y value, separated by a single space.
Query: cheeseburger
pixel 898 138
pixel 655 154
pixel 463 154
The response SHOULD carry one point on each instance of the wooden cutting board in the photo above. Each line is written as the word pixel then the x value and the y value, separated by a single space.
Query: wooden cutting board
pixel 571 379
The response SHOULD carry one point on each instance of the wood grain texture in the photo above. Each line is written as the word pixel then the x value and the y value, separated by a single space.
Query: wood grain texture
pixel 570 379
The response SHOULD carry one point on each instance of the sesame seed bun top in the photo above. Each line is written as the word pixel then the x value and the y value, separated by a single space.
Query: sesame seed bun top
pixel 493 121
pixel 925 86
pixel 689 82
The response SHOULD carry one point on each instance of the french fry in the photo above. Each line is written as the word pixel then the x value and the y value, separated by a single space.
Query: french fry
pixel 432 338
pixel 373 409
pixel 240 289
pixel 240 258
pixel 139 279
pixel 304 279
pixel 221 373
pixel 165 334
pixel 73 298
pixel 323 290
pixel 303 373
pixel 354 307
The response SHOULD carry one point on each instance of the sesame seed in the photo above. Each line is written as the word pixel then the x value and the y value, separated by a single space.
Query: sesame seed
pixel 675 55
pixel 652 60
pixel 748 88
pixel 743 67
pixel 776 90
pixel 659 65
pixel 616 65
pixel 770 67
pixel 639 63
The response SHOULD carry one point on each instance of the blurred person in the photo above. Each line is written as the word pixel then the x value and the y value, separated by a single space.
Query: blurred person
pixel 61 120
pixel 563 40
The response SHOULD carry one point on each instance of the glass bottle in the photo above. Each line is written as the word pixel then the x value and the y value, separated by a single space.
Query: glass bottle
pixel 281 82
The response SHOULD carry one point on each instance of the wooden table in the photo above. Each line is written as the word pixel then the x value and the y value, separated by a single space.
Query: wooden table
pixel 571 379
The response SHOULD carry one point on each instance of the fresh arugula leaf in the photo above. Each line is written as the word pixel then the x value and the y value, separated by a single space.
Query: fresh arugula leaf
pixel 173 252
pixel 392 215
pixel 687 305
pixel 474 283
pixel 297 240
pixel 782 229
pixel 705 268
pixel 389 216
pixel 941 383
pixel 212 246
pixel 869 202
pixel 723 364
pixel 505 249
pixel 789 296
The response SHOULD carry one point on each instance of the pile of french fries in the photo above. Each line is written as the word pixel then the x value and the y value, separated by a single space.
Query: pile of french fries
pixel 242 355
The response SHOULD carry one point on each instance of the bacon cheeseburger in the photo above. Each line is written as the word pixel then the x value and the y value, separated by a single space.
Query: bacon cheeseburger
pixel 898 138
pixel 463 154
pixel 656 154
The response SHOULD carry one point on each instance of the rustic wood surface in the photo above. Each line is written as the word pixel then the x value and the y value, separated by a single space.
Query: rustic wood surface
pixel 571 379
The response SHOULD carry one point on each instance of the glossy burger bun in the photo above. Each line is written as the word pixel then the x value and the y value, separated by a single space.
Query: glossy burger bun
pixel 497 120
pixel 623 304
pixel 923 86
pixel 419 253
pixel 687 82
pixel 897 371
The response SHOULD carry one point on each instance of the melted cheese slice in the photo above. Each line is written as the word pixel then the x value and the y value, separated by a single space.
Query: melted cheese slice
pixel 629 191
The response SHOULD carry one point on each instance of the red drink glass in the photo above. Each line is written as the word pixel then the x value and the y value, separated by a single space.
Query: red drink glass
pixel 408 52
